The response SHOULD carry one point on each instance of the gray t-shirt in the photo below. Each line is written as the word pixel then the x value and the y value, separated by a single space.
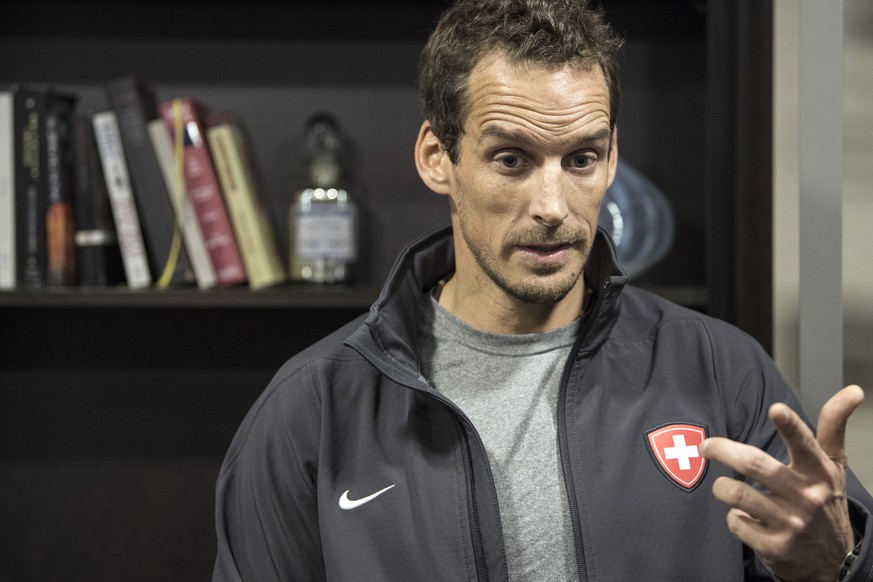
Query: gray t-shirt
pixel 508 386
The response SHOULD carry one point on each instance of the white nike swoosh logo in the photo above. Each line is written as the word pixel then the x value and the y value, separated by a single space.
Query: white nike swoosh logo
pixel 346 503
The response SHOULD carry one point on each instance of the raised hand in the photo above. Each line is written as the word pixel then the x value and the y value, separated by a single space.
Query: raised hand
pixel 799 526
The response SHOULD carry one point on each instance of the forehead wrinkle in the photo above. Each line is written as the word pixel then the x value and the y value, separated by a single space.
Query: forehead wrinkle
pixel 538 115
pixel 496 93
pixel 500 133
pixel 588 129
pixel 567 106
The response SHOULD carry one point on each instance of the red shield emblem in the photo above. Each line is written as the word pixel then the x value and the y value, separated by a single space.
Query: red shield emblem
pixel 674 449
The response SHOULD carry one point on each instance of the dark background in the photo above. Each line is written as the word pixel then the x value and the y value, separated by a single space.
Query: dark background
pixel 116 408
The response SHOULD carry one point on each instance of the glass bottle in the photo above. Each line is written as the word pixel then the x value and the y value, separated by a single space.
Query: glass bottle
pixel 323 214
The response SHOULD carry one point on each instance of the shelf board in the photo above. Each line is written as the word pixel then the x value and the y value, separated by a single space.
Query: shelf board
pixel 289 296
pixel 329 20
pixel 294 297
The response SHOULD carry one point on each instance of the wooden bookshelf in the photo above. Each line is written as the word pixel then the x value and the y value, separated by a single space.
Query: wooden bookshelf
pixel 117 406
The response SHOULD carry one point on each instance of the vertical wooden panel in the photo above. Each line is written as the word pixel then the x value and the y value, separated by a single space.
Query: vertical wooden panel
pixel 739 164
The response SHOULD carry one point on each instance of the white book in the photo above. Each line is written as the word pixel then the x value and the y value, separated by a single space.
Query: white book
pixel 7 191
pixel 201 264
pixel 127 225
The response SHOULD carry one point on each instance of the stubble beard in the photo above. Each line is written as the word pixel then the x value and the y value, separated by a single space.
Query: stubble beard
pixel 536 289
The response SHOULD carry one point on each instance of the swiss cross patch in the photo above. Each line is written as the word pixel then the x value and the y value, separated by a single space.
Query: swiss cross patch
pixel 674 449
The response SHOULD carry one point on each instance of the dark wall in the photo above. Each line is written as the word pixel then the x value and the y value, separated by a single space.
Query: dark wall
pixel 114 419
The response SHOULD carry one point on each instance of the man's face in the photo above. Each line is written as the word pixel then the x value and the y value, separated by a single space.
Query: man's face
pixel 536 157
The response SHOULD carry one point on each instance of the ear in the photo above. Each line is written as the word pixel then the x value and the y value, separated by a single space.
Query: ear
pixel 432 161
pixel 613 156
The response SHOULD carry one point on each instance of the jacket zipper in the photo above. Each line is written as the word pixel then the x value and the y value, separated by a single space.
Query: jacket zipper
pixel 473 513
pixel 563 444
pixel 475 532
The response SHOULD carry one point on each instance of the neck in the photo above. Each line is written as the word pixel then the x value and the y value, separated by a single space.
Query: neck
pixel 493 310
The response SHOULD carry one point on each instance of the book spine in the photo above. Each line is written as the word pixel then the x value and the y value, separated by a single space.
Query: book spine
pixel 60 226
pixel 202 186
pixel 124 212
pixel 191 233
pixel 7 192
pixel 250 225
pixel 134 104
pixel 99 258
pixel 30 186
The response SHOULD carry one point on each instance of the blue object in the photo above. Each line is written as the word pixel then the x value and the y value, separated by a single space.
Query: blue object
pixel 638 217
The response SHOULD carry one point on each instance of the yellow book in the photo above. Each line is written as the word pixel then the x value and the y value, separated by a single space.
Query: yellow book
pixel 247 213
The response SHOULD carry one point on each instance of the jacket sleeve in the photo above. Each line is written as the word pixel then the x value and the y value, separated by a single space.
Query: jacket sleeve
pixel 861 513
pixel 265 511
pixel 750 383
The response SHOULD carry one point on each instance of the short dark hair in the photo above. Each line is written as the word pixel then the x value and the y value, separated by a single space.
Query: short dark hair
pixel 538 32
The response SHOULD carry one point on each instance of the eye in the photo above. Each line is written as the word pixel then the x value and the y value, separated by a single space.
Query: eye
pixel 509 161
pixel 583 161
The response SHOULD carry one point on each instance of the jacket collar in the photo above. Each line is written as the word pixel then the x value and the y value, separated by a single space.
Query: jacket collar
pixel 388 335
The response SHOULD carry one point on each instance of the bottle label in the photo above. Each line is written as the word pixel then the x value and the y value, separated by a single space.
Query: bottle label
pixel 326 233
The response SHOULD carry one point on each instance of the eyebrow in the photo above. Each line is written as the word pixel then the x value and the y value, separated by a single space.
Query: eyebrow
pixel 501 133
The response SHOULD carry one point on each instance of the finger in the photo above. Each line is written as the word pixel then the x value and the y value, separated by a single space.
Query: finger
pixel 832 422
pixel 752 532
pixel 750 501
pixel 751 462
pixel 803 449
pixel 746 527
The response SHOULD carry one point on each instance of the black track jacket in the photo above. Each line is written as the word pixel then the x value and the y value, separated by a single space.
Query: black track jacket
pixel 351 467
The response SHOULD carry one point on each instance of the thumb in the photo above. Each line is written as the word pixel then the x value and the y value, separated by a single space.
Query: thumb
pixel 832 422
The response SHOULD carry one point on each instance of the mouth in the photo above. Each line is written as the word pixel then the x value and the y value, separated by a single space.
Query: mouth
pixel 546 248
pixel 546 252
pixel 546 245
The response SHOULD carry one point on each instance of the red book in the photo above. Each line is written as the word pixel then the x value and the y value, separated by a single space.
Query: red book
pixel 204 190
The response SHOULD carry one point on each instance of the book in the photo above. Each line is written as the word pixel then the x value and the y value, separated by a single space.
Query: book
pixel 30 184
pixel 182 117
pixel 127 227
pixel 7 191
pixel 99 258
pixel 134 103
pixel 192 236
pixel 60 224
pixel 234 163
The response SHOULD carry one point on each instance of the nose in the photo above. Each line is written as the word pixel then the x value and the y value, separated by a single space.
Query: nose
pixel 548 206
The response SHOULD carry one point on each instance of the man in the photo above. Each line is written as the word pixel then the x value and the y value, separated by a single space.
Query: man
pixel 509 408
